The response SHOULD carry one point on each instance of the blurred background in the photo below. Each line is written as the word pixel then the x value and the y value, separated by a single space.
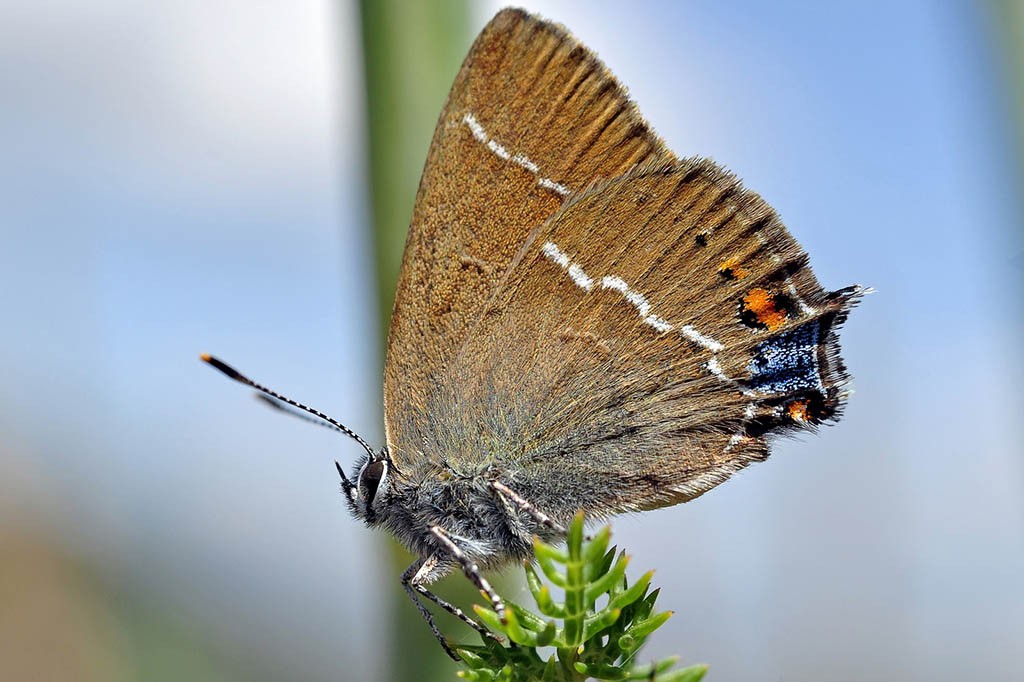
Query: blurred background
pixel 179 177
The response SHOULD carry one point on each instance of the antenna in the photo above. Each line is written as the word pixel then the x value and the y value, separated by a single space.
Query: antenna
pixel 233 373
pixel 278 406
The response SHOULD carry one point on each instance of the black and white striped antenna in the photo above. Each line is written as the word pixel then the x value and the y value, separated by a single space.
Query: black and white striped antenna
pixel 233 373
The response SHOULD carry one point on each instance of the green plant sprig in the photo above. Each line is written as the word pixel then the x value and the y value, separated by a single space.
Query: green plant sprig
pixel 589 642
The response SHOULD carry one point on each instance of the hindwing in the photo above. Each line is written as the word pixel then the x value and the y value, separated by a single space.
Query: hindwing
pixel 644 344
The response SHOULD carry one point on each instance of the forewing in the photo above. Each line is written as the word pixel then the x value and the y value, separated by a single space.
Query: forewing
pixel 532 117
pixel 644 345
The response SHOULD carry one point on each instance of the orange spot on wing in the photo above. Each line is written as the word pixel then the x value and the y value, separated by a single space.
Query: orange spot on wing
pixel 730 269
pixel 764 307
pixel 798 410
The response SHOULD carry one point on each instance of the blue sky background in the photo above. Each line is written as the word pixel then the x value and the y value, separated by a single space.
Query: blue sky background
pixel 187 177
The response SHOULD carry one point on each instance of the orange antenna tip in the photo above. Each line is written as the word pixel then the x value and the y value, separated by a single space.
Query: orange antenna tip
pixel 227 369
pixel 274 399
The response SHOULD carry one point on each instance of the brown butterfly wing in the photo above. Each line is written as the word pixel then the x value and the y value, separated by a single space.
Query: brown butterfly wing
pixel 532 116
pixel 642 347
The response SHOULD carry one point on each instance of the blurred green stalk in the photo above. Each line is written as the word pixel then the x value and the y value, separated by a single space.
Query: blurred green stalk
pixel 1008 25
pixel 411 53
pixel 1008 20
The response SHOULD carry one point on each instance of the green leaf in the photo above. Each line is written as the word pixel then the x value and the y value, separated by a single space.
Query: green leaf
pixel 547 556
pixel 692 674
pixel 633 593
pixel 516 632
pixel 528 638
pixel 594 550
pixel 646 672
pixel 528 620
pixel 590 642
pixel 645 607
pixel 532 579
pixel 490 618
pixel 550 671
pixel 548 606
pixel 599 622
pixel 606 562
pixel 649 625
pixel 547 636
pixel 574 541
pixel 601 671
pixel 471 659
pixel 608 580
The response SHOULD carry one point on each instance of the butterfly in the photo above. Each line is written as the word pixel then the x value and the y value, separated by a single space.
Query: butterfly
pixel 583 320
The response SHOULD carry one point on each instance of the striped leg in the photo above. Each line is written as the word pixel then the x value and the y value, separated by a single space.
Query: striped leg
pixel 537 515
pixel 471 570
pixel 408 577
pixel 413 579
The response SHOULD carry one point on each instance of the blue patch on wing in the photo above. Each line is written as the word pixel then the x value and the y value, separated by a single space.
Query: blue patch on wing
pixel 788 362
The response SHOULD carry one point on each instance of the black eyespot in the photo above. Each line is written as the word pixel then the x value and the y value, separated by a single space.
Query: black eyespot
pixel 370 478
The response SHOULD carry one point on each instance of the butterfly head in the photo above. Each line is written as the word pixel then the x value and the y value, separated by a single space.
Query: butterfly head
pixel 372 490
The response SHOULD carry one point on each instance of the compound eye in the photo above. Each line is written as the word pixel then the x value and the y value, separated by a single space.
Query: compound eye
pixel 370 478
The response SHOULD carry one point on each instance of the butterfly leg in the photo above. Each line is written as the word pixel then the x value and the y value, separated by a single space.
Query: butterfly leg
pixel 536 514
pixel 524 504
pixel 416 582
pixel 411 586
pixel 471 570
